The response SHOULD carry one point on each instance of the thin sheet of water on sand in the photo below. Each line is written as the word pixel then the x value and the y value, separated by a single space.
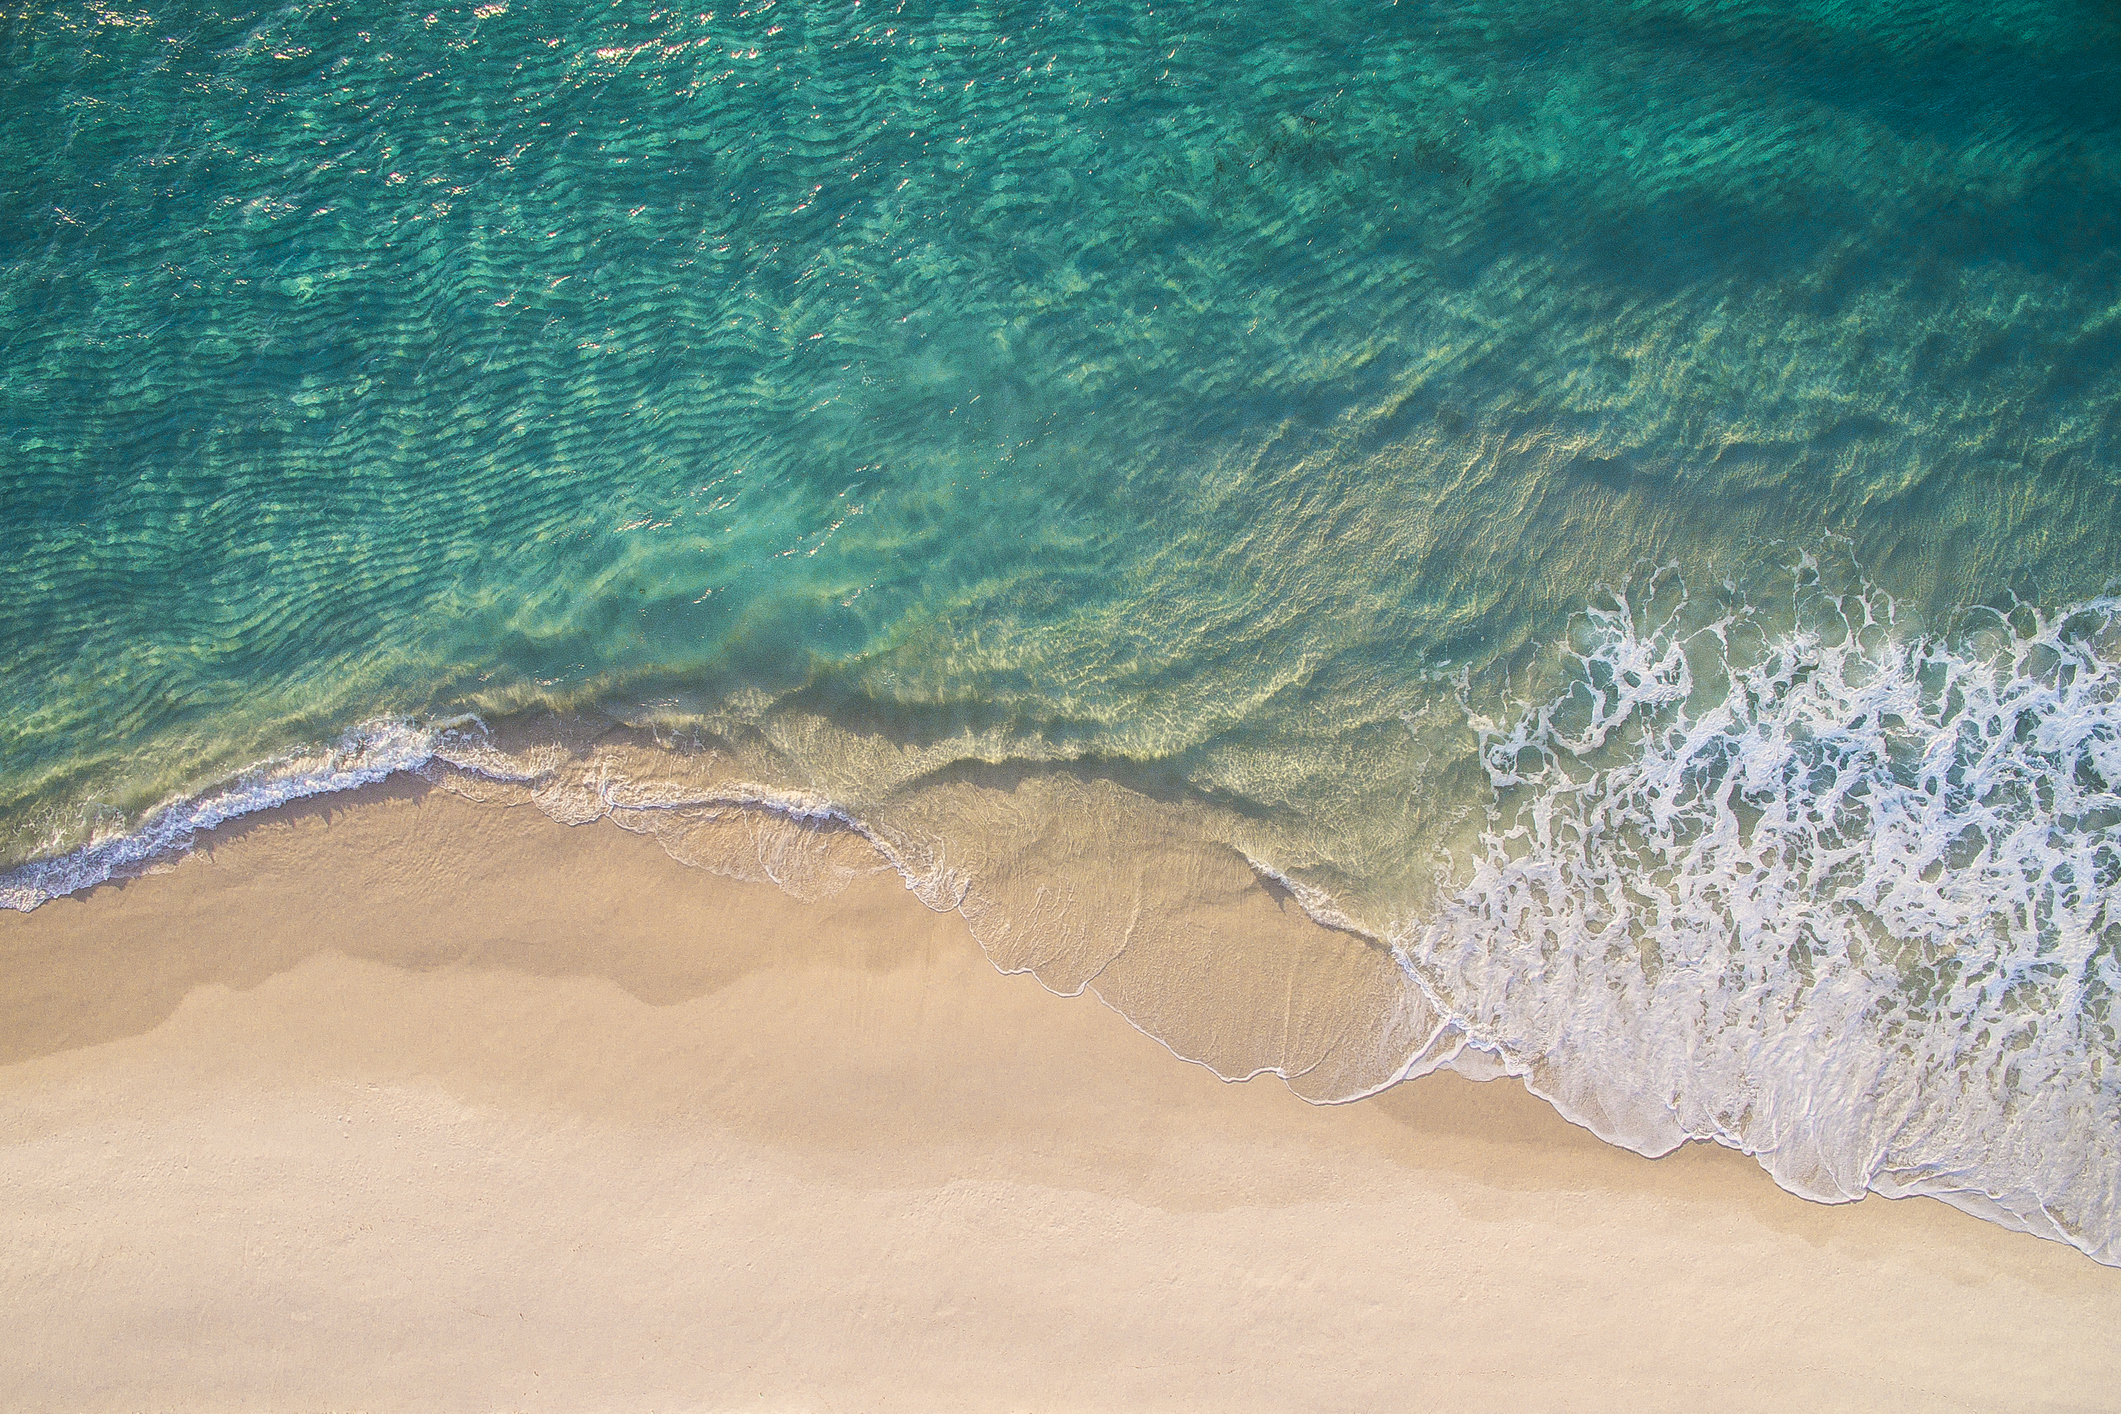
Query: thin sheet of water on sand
pixel 403 1101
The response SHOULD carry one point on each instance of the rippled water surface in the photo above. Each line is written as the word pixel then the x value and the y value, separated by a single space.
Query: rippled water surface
pixel 1610 502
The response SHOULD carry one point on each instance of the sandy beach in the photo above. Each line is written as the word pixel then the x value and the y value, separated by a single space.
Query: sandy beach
pixel 396 1101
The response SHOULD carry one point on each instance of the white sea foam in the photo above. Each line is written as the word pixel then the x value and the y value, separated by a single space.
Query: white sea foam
pixel 1798 881
pixel 721 820
pixel 1317 904
pixel 362 756
pixel 782 826
pixel 1838 896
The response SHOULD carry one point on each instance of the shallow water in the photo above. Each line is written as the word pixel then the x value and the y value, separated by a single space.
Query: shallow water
pixel 1610 503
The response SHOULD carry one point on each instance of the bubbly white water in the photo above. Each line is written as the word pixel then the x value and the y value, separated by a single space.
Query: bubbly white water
pixel 1795 878
pixel 1838 896
pixel 363 756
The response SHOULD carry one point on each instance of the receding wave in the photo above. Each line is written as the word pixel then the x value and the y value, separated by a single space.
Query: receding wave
pixel 1800 878
pixel 1835 897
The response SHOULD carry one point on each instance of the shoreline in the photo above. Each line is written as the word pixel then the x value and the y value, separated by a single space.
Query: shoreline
pixel 290 1121
pixel 1179 913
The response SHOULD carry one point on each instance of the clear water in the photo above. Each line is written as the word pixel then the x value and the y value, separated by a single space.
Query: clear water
pixel 1609 501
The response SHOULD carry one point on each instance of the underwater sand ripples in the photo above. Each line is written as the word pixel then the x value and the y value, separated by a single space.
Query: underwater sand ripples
pixel 1226 392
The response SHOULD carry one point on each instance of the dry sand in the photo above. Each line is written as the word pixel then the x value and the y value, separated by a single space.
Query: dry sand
pixel 401 1102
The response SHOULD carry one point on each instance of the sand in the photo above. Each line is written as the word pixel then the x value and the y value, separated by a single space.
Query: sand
pixel 402 1102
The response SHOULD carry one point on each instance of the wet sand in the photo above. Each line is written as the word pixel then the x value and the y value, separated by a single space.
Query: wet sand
pixel 397 1101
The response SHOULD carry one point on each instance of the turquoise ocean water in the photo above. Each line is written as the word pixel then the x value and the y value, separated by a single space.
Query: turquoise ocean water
pixel 1612 503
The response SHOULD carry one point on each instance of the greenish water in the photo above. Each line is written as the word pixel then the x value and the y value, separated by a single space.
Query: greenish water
pixel 1327 416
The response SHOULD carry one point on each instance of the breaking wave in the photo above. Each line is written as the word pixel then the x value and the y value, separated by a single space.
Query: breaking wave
pixel 1824 891
pixel 1802 879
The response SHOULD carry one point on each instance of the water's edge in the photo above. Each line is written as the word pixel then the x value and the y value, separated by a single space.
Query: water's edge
pixel 809 847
